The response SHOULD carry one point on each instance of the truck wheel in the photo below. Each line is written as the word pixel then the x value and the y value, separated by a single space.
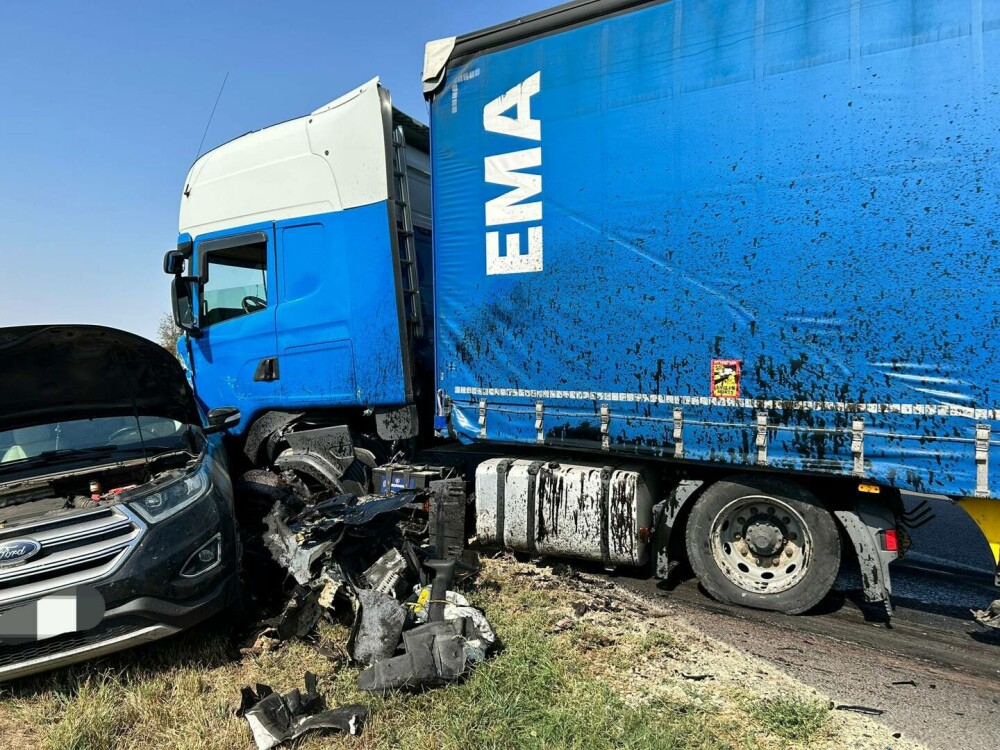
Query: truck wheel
pixel 763 543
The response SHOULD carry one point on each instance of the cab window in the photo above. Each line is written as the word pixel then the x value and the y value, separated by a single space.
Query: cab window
pixel 236 283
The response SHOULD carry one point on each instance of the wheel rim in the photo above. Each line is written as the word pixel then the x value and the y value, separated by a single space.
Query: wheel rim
pixel 761 544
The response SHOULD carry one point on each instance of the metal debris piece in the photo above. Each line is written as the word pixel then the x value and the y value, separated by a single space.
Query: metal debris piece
pixel 288 551
pixel 990 617
pixel 388 574
pixel 357 549
pixel 275 718
pixel 353 510
pixel 333 581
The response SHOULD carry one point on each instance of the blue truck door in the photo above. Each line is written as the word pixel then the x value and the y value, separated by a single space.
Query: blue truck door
pixel 235 355
pixel 314 317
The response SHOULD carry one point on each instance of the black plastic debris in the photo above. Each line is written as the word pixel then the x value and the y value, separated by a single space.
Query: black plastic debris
pixel 301 613
pixel 435 655
pixel 445 639
pixel 378 627
pixel 275 718
pixel 867 710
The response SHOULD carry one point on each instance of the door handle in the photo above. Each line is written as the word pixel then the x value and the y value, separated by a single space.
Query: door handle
pixel 267 370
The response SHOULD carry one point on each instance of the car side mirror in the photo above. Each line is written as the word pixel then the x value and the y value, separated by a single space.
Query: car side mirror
pixel 222 418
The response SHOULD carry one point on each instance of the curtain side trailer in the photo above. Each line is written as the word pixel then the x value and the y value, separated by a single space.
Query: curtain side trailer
pixel 707 284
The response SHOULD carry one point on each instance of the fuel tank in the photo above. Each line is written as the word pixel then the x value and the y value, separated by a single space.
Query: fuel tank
pixel 586 511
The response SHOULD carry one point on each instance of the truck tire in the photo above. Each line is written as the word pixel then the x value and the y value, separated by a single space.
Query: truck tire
pixel 763 543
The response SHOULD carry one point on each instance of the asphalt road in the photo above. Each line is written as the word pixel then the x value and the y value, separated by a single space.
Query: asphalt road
pixel 932 674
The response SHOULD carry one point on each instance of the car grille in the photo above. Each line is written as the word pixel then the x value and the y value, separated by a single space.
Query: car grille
pixel 11 655
pixel 76 548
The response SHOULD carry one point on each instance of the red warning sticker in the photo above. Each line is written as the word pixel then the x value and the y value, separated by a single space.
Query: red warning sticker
pixel 725 378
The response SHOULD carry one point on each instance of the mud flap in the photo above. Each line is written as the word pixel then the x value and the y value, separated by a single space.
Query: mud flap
pixel 666 514
pixel 863 526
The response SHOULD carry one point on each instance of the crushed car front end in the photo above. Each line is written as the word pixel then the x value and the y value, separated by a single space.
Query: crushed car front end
pixel 131 510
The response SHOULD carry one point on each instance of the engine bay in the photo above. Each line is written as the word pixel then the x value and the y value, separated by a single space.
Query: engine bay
pixel 85 488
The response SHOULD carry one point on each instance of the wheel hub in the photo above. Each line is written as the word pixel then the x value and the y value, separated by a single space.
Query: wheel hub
pixel 761 544
pixel 764 538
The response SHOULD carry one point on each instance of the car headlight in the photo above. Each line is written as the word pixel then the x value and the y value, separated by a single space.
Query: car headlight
pixel 176 496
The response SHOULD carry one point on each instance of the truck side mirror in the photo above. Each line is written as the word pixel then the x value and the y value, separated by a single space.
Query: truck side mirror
pixel 173 262
pixel 222 418
pixel 182 301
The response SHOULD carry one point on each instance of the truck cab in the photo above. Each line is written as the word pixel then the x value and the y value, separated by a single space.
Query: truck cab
pixel 297 274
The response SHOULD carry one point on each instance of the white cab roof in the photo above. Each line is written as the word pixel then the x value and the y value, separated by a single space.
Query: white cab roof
pixel 331 160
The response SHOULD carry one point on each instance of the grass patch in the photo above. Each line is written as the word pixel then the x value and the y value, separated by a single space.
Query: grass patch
pixel 549 688
pixel 657 643
pixel 790 718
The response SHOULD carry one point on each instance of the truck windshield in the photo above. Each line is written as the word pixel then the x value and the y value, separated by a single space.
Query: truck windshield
pixel 75 438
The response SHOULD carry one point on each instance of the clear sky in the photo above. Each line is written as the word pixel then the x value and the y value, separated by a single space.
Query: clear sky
pixel 103 104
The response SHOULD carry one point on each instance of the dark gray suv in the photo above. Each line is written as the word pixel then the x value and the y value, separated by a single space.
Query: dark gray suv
pixel 116 507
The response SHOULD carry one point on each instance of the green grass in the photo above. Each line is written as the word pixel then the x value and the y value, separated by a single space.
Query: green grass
pixel 790 718
pixel 547 689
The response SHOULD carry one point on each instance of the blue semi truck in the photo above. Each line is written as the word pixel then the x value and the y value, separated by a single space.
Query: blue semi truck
pixel 708 282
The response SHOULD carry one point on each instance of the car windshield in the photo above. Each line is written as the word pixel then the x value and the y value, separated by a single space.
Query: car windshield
pixel 114 434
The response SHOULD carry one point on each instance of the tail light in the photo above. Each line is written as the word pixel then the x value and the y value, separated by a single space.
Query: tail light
pixel 890 542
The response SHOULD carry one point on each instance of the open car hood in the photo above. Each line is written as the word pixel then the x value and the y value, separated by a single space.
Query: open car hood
pixel 66 372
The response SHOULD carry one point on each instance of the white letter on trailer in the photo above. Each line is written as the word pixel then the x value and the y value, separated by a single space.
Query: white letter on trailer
pixel 522 126
pixel 502 170
pixel 514 261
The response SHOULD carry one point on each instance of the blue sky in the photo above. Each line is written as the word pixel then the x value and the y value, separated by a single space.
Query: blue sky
pixel 104 103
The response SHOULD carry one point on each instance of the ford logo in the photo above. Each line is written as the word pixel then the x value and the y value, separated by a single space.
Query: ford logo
pixel 17 551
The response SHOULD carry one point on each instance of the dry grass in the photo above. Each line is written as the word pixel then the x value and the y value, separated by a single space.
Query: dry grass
pixel 610 679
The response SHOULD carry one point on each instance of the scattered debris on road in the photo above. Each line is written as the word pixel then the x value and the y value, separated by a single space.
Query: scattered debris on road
pixel 990 617
pixel 364 558
pixel 276 718
pixel 697 677
pixel 866 710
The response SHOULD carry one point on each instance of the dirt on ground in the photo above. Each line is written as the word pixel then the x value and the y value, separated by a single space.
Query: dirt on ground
pixel 930 678
pixel 678 659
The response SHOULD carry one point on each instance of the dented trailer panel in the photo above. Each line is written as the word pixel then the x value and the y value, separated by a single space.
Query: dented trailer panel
pixel 753 233
pixel 586 511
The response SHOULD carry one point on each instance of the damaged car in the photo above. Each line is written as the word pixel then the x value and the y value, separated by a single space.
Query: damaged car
pixel 116 510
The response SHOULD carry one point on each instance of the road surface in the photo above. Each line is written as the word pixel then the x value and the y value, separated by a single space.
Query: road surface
pixel 933 673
